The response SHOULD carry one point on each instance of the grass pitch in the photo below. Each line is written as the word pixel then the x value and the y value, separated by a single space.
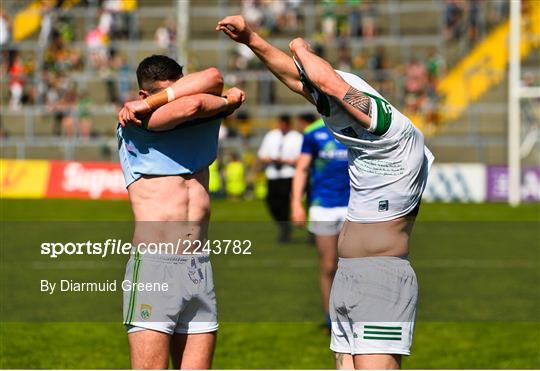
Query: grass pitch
pixel 478 268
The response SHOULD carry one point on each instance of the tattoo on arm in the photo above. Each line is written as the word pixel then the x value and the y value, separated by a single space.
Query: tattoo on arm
pixel 358 100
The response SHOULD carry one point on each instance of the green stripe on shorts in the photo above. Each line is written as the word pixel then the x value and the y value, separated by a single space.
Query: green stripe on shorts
pixel 381 338
pixel 391 333
pixel 383 327
pixel 132 295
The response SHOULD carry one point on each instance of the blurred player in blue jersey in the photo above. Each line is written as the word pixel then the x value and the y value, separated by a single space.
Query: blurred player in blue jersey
pixel 324 160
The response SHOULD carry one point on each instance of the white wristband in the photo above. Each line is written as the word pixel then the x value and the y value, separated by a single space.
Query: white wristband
pixel 170 94
pixel 226 100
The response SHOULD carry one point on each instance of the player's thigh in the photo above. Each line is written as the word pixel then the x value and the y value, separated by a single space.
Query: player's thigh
pixel 149 349
pixel 344 361
pixel 377 361
pixel 193 351
pixel 327 247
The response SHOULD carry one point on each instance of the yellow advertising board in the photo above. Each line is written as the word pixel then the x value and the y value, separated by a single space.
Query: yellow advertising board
pixel 24 179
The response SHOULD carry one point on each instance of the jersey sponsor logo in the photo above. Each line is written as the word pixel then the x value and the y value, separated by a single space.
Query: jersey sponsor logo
pixel 333 154
pixel 321 135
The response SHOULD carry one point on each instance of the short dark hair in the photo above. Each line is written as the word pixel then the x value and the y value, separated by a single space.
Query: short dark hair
pixel 285 118
pixel 307 117
pixel 157 68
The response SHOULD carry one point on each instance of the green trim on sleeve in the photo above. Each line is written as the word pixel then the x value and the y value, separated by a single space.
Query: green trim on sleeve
pixel 384 114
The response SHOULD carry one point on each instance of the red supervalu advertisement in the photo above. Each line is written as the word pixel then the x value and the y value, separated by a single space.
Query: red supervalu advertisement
pixel 94 180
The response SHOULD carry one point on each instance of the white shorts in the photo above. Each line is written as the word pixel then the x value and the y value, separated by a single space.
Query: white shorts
pixel 326 221
pixel 373 306
pixel 188 306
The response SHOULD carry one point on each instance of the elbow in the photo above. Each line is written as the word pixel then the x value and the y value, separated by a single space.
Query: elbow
pixel 193 108
pixel 217 80
pixel 326 84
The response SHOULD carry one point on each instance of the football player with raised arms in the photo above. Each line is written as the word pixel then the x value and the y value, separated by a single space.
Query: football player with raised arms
pixel 167 139
pixel 374 293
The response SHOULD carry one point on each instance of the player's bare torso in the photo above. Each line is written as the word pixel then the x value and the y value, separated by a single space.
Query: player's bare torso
pixel 389 238
pixel 167 208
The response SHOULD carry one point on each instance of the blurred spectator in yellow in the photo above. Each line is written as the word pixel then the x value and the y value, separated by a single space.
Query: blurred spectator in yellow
pixel 235 182
pixel 215 184
pixel 244 124
pixel 260 188
pixel 412 110
pixel 59 56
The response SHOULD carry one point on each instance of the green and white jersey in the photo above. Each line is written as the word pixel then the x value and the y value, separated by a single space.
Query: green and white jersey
pixel 388 163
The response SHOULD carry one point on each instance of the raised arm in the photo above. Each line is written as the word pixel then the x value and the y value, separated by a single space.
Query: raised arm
pixel 193 107
pixel 278 62
pixel 208 81
pixel 326 79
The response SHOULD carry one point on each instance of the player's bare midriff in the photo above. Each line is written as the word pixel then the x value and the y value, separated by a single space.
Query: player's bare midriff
pixel 169 208
pixel 389 238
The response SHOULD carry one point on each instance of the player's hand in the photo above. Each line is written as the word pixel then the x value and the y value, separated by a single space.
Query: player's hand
pixel 236 28
pixel 125 116
pixel 235 97
pixel 298 215
pixel 132 111
pixel 299 43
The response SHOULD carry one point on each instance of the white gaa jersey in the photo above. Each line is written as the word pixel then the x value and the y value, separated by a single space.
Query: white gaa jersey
pixel 388 163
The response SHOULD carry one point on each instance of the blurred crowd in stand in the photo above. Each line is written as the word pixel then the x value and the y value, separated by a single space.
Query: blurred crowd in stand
pixel 470 20
pixel 60 74
pixel 52 75
pixel 411 84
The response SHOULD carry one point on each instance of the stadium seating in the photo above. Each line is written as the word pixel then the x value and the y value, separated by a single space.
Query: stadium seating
pixel 405 28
